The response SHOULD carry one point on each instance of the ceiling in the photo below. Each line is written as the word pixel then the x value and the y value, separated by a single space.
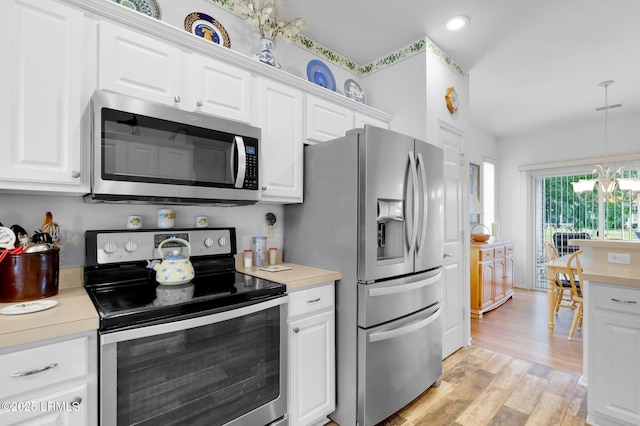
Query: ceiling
pixel 532 64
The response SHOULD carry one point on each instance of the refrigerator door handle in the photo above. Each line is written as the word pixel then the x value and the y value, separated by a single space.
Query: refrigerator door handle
pixel 425 199
pixel 414 178
pixel 385 291
pixel 386 335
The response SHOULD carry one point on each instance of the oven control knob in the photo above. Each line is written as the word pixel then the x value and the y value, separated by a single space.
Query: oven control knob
pixel 222 241
pixel 208 242
pixel 131 246
pixel 110 247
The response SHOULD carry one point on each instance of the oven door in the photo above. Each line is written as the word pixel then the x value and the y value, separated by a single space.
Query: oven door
pixel 227 368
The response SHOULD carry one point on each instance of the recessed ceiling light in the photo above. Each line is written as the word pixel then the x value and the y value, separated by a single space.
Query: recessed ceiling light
pixel 457 22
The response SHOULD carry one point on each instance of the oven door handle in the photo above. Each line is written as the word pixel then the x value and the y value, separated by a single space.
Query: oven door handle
pixel 154 330
pixel 239 148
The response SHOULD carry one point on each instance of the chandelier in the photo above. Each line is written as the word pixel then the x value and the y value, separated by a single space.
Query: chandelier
pixel 607 181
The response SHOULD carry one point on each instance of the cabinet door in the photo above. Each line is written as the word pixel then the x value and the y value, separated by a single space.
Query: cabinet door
pixel 614 371
pixel 509 266
pixel 486 284
pixel 326 120
pixel 44 80
pixel 222 89
pixel 499 280
pixel 360 120
pixel 67 407
pixel 144 67
pixel 280 118
pixel 312 369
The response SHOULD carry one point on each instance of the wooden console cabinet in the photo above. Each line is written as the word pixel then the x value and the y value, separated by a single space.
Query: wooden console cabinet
pixel 491 275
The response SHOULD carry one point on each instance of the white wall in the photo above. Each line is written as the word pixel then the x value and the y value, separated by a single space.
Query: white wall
pixel 401 91
pixel 570 141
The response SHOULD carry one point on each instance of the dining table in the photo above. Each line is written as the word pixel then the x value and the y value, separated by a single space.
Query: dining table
pixel 555 267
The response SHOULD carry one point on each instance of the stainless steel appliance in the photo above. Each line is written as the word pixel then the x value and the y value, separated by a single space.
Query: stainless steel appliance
pixel 212 351
pixel 373 210
pixel 148 152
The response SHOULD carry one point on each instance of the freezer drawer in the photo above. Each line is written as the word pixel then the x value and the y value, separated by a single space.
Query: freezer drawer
pixel 387 300
pixel 397 361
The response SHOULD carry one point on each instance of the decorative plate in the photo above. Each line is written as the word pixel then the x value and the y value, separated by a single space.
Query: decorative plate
pixel 352 90
pixel 208 28
pixel 147 7
pixel 28 307
pixel 320 74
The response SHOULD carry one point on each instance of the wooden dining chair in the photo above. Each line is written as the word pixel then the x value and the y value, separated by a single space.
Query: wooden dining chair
pixel 562 290
pixel 574 269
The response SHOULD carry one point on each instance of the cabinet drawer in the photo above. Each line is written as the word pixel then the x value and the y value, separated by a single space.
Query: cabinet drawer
pixel 616 299
pixel 33 368
pixel 310 300
pixel 508 250
pixel 499 252
pixel 485 254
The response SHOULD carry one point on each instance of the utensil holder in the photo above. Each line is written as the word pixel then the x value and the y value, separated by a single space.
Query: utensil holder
pixel 29 276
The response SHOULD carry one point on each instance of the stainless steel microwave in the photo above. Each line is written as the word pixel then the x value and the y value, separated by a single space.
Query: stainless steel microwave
pixel 147 152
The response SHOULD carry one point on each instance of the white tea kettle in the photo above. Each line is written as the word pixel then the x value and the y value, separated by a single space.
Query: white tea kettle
pixel 174 268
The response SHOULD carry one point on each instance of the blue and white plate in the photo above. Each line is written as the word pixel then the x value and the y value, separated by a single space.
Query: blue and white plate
pixel 148 7
pixel 352 90
pixel 208 28
pixel 320 74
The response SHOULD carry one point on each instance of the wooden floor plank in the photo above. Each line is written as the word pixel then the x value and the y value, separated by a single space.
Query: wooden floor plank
pixel 549 410
pixel 525 397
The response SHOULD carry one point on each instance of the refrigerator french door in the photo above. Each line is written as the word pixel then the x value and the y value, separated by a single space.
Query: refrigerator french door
pixel 400 199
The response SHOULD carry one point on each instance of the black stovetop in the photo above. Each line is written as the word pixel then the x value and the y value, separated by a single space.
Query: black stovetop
pixel 140 302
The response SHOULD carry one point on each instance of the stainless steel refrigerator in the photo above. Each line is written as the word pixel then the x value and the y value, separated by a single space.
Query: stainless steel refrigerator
pixel 373 210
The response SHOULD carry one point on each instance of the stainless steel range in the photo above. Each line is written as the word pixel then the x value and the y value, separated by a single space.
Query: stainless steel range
pixel 211 351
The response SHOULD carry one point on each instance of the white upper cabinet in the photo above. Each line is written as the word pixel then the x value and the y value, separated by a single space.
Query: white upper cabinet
pixel 280 118
pixel 144 67
pixel 221 89
pixel 361 119
pixel 45 80
pixel 326 120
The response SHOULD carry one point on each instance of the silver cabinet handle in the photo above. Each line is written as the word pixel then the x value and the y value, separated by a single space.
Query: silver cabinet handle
pixel 176 99
pixel 625 301
pixel 76 401
pixel 314 300
pixel 264 188
pixel 32 372
pixel 296 330
pixel 445 255
pixel 75 174
pixel 199 103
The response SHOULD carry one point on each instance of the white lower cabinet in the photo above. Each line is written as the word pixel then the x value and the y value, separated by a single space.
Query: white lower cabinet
pixel 280 118
pixel 45 80
pixel 311 355
pixel 50 383
pixel 613 351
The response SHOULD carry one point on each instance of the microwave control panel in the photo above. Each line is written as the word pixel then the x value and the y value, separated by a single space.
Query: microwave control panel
pixel 251 173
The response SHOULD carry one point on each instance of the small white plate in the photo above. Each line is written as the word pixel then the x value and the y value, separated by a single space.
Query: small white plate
pixel 28 307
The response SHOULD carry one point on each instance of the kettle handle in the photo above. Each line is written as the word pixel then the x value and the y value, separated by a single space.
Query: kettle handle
pixel 180 240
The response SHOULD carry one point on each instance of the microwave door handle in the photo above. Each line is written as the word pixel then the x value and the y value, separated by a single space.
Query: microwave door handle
pixel 425 199
pixel 414 179
pixel 238 144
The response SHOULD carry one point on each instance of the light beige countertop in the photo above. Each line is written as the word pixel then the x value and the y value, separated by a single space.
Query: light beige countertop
pixel 296 278
pixel 74 313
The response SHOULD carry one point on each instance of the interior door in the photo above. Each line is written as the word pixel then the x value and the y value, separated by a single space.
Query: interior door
pixel 386 178
pixel 455 324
